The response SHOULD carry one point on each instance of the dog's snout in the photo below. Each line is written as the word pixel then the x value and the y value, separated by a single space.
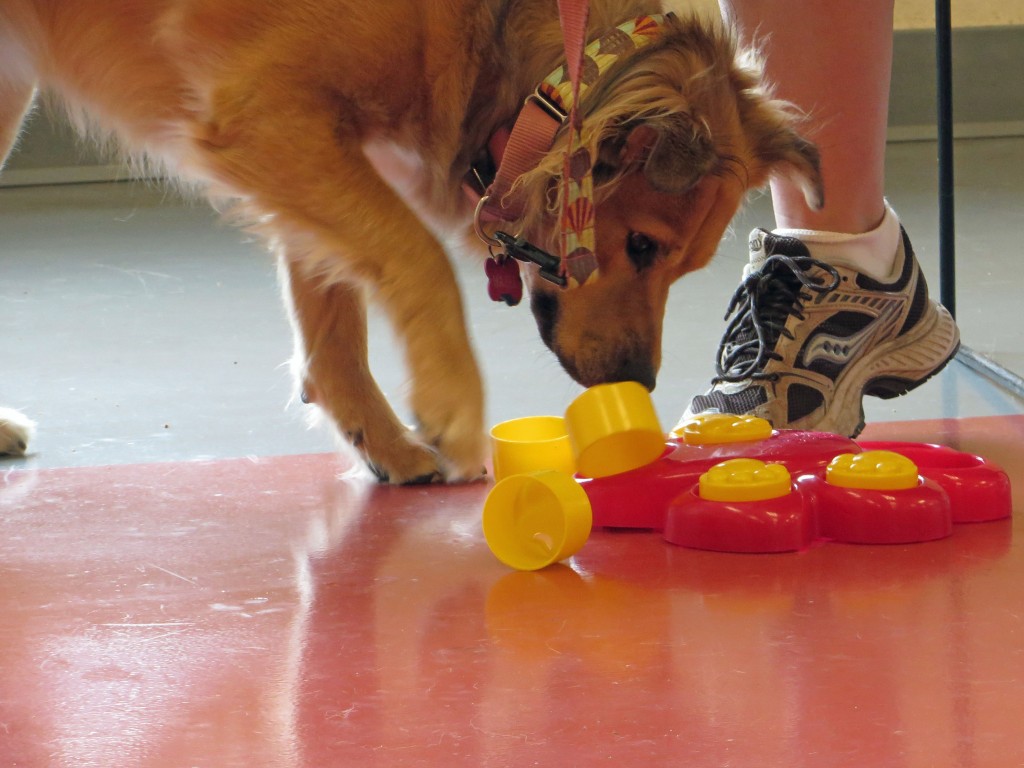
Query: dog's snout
pixel 591 372
pixel 631 363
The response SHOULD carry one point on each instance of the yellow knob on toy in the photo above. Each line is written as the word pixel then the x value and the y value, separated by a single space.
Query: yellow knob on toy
pixel 722 428
pixel 531 521
pixel 872 470
pixel 531 444
pixel 613 428
pixel 745 480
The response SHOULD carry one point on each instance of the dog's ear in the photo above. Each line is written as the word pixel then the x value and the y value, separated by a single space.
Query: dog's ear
pixel 790 154
pixel 782 151
pixel 673 151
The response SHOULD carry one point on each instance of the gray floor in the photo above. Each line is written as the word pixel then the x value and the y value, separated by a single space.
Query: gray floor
pixel 136 328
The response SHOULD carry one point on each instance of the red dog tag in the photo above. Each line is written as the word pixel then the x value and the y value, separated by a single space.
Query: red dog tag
pixel 503 280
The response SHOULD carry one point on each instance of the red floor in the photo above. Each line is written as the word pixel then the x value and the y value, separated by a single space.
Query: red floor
pixel 263 613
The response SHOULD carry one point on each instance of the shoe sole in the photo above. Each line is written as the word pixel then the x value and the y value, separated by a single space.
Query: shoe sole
pixel 894 369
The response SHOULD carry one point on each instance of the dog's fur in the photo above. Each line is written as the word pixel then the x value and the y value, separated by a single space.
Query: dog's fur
pixel 341 127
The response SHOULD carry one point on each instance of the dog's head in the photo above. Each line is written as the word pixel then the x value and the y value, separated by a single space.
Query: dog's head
pixel 681 129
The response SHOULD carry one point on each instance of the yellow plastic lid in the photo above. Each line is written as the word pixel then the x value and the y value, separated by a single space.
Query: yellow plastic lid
pixel 872 470
pixel 614 428
pixel 722 428
pixel 531 444
pixel 531 521
pixel 745 480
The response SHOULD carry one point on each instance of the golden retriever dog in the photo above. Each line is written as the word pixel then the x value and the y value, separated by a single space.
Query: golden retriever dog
pixel 343 132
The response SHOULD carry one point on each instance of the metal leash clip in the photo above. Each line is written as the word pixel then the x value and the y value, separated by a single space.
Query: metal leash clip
pixel 522 250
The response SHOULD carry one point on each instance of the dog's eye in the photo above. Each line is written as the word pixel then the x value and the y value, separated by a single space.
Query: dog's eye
pixel 603 172
pixel 641 249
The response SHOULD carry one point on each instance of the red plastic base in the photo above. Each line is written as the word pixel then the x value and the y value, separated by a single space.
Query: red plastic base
pixel 955 487
pixel 640 498
pixel 776 525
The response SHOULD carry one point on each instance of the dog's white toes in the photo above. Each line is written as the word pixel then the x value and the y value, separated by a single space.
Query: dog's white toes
pixel 16 431
pixel 462 452
pixel 474 472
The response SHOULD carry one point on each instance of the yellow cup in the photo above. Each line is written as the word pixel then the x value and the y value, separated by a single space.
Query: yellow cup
pixel 531 444
pixel 531 521
pixel 614 428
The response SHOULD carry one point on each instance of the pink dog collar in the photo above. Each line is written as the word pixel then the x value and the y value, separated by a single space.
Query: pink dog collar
pixel 553 104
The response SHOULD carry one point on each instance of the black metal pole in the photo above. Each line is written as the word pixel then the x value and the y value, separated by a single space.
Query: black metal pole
pixel 947 246
pixel 944 82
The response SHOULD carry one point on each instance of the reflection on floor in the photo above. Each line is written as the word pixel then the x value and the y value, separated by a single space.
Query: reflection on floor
pixel 278 612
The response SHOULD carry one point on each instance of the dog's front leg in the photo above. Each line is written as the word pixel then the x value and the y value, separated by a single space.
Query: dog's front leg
pixel 310 183
pixel 329 317
pixel 331 366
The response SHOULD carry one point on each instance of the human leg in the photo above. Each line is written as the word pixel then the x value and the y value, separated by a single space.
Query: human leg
pixel 833 304
pixel 833 61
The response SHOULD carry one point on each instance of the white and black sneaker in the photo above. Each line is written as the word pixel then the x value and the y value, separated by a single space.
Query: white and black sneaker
pixel 807 340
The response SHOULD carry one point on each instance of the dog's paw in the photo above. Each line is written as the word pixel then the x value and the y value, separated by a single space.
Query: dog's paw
pixel 419 459
pixel 459 442
pixel 16 431
pixel 402 461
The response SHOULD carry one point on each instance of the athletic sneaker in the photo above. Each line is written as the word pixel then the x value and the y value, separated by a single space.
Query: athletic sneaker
pixel 807 340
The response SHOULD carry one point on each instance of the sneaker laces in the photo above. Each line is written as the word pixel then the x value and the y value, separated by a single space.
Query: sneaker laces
pixel 759 310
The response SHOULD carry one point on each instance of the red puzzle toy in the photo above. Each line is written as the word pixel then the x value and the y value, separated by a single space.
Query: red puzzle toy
pixel 724 483
pixel 732 484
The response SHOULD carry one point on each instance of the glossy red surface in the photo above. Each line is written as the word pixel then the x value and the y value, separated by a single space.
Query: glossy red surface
pixel 857 516
pixel 265 613
pixel 783 524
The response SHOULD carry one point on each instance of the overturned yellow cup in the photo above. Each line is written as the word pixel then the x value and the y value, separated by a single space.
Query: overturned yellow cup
pixel 531 444
pixel 531 521
pixel 613 428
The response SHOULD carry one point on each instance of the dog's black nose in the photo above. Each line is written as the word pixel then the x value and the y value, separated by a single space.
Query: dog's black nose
pixel 639 371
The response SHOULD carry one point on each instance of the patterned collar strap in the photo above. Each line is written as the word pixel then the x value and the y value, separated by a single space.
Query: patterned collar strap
pixel 576 225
